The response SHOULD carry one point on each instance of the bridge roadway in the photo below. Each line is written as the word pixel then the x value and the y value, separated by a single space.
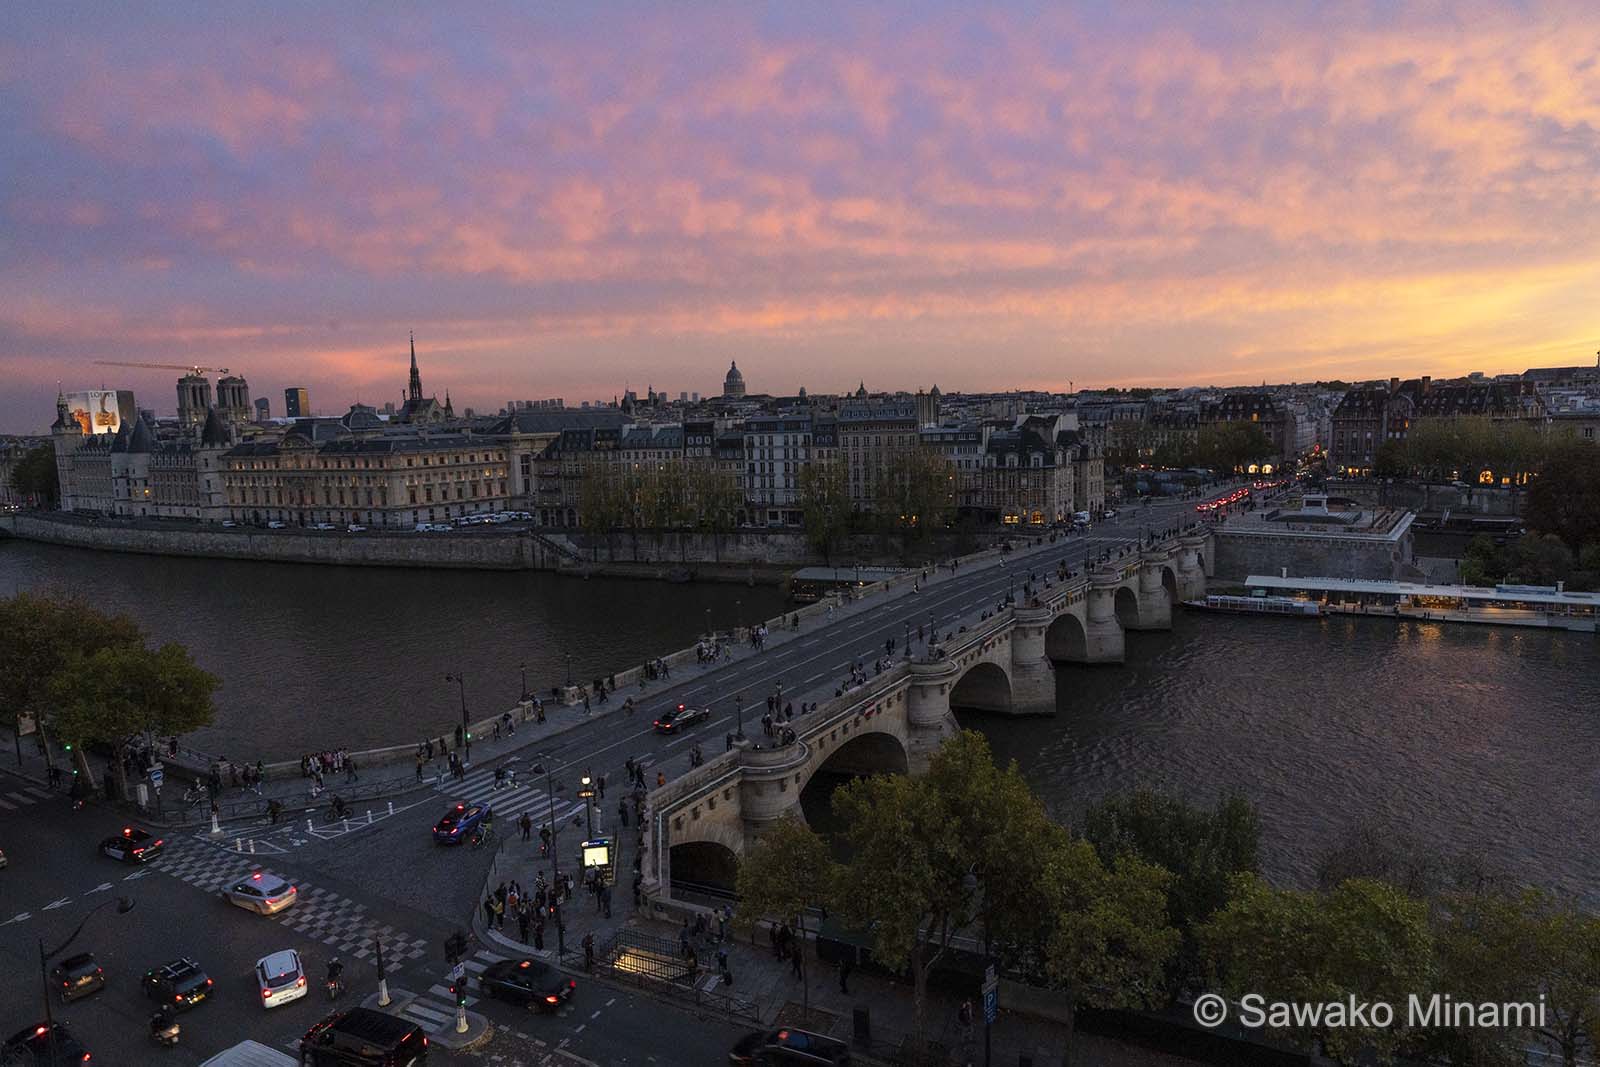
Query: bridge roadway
pixel 810 665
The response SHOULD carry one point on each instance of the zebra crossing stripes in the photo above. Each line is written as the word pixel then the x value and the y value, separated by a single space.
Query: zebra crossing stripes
pixel 509 801
pixel 435 1010
pixel 16 799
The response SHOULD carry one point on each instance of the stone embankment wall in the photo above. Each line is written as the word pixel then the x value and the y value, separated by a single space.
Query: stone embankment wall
pixel 1431 498
pixel 1240 554
pixel 480 550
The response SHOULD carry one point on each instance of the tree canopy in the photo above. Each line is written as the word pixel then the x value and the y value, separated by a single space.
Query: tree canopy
pixel 34 476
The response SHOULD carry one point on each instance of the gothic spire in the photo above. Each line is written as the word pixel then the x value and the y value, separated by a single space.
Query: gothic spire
pixel 414 389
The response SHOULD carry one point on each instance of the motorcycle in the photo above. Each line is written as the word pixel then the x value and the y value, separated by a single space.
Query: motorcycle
pixel 164 1029
pixel 335 987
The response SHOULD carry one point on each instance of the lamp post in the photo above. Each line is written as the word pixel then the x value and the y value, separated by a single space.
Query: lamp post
pixel 569 670
pixel 550 788
pixel 709 631
pixel 738 711
pixel 466 732
pixel 969 883
pixel 123 906
pixel 586 791
pixel 523 667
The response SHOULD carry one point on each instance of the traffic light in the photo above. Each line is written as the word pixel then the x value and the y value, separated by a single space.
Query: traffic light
pixel 455 946
pixel 67 747
pixel 459 988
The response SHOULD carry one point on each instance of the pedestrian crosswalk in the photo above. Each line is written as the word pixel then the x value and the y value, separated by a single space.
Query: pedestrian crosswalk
pixel 510 801
pixel 16 799
pixel 435 1010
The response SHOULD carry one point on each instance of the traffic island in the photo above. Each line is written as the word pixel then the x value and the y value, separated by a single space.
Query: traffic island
pixel 479 1029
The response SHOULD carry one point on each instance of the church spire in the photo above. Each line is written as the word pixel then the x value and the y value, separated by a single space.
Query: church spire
pixel 414 389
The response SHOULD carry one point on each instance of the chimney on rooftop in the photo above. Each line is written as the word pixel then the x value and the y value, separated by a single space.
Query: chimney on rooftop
pixel 1394 385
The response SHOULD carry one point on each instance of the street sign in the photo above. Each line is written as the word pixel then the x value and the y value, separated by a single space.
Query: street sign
pixel 991 1005
pixel 458 972
pixel 157 776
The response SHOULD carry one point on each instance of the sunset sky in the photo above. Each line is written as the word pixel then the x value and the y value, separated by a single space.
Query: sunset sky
pixel 568 200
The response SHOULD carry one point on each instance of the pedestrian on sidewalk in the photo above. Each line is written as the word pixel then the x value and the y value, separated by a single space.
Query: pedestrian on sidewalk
pixel 605 898
pixel 488 909
pixel 419 768
pixel 499 908
pixel 526 825
pixel 723 914
pixel 601 782
pixel 797 959
pixel 683 938
pixel 722 966
pixel 538 932
pixel 964 1019
pixel 524 920
pixel 497 729
pixel 622 812
pixel 588 952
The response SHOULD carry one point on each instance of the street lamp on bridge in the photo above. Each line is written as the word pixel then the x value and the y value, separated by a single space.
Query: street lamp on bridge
pixel 551 789
pixel 466 729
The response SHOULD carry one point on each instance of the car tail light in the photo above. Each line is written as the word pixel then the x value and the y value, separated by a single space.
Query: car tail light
pixel 571 984
pixel 158 842
pixel 552 999
pixel 298 982
pixel 138 850
pixel 265 993
pixel 177 998
pixel 208 981
pixel 64 982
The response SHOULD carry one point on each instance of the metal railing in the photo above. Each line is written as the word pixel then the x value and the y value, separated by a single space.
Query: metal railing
pixel 656 964
pixel 176 811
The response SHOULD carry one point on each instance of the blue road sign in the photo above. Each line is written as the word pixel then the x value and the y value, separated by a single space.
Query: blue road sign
pixel 991 1005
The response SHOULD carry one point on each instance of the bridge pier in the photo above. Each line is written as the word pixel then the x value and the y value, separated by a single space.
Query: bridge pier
pixel 1103 629
pixel 1033 680
pixel 1193 556
pixel 928 714
pixel 1155 591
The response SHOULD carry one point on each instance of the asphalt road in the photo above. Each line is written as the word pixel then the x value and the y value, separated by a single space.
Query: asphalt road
pixel 388 877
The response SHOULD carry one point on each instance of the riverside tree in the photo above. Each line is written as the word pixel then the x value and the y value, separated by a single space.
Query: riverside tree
pixel 1365 940
pixel 43 640
pixel 35 476
pixel 786 874
pixel 126 693
pixel 825 505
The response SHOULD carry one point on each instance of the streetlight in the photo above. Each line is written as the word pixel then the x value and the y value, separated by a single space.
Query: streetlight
pixel 738 711
pixel 123 905
pixel 569 670
pixel 466 732
pixel 586 791
pixel 709 631
pixel 550 788
pixel 523 667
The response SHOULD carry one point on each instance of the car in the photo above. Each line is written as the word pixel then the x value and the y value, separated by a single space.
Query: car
pixel 355 527
pixel 779 1048
pixel 229 523
pixel 681 718
pixel 180 983
pixel 263 891
pixel 323 526
pixel 536 986
pixel 281 978
pixel 276 525
pixel 362 1036
pixel 132 845
pixel 461 819
pixel 78 976
pixel 43 1046
pixel 442 527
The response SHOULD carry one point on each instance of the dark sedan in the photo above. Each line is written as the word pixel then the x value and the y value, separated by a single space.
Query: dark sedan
pixel 132 845
pixel 457 823
pixel 681 718
pixel 39 1046
pixel 536 986
pixel 780 1048
pixel 78 976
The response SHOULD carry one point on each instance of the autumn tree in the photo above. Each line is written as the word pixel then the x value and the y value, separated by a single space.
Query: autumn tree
pixel 1364 939
pixel 125 693
pixel 824 492
pixel 34 476
pixel 786 874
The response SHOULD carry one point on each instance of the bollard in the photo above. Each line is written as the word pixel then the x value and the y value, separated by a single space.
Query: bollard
pixel 238 844
pixel 252 846
pixel 308 826
pixel 391 807
pixel 347 826
pixel 216 827
pixel 369 816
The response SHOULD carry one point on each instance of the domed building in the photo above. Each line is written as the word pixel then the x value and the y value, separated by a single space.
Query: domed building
pixel 733 384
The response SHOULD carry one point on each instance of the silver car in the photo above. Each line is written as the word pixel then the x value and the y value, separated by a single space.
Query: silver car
pixel 280 978
pixel 262 892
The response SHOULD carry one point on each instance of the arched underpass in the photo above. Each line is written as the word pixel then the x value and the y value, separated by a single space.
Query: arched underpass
pixel 1065 640
pixel 984 687
pixel 1126 603
pixel 862 755
pixel 706 867
pixel 1169 582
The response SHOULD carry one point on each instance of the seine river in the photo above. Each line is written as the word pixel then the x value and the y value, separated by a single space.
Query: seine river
pixel 1465 739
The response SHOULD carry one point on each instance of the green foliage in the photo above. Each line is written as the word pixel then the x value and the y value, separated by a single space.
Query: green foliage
pixel 824 492
pixel 41 636
pixel 1231 446
pixel 35 476
pixel 788 871
pixel 1109 941
pixel 1462 448
pixel 915 493
pixel 1204 850
pixel 115 693
pixel 1564 499
pixel 1365 939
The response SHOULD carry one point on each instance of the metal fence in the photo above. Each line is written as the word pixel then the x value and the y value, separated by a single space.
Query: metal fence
pixel 656 964
pixel 176 811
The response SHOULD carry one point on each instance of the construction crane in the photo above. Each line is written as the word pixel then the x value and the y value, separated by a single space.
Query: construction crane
pixel 191 368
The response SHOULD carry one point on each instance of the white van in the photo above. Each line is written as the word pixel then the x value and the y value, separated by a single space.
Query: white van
pixel 251 1054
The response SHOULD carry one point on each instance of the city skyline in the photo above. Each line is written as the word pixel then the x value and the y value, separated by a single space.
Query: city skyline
pixel 901 195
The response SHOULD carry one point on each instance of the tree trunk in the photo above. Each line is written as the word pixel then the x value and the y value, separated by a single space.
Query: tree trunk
pixel 1071 1051
pixel 84 770
pixel 805 978
pixel 119 774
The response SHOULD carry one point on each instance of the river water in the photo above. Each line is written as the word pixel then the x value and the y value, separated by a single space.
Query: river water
pixel 1465 739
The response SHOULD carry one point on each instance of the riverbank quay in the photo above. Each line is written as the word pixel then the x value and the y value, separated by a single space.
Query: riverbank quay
pixel 754 557
pixel 632 948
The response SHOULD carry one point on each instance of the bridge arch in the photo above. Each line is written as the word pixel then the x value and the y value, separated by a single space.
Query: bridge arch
pixel 1065 640
pixel 1126 604
pixel 1169 582
pixel 866 753
pixel 707 867
pixel 984 687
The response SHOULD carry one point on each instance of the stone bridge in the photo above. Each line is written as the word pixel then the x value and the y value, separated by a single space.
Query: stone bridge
pixel 701 823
